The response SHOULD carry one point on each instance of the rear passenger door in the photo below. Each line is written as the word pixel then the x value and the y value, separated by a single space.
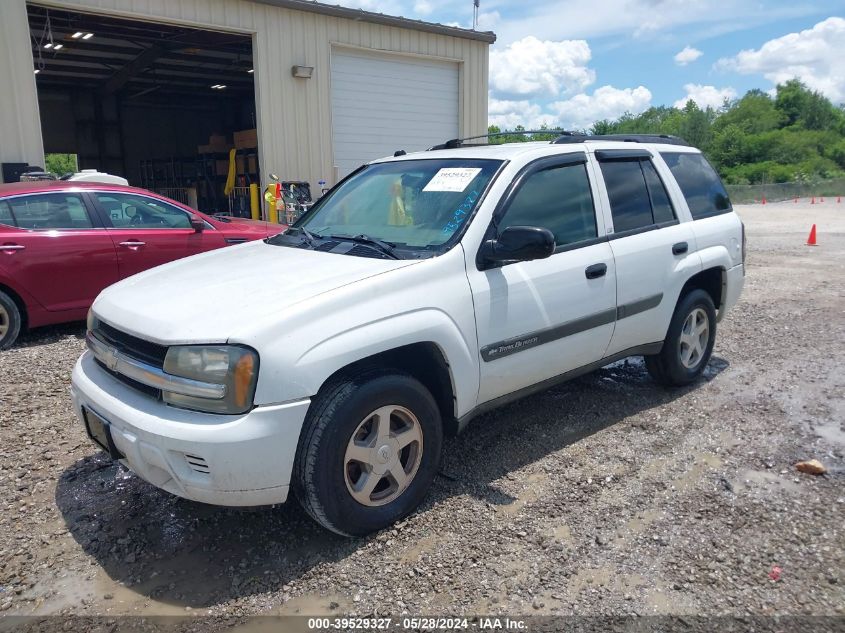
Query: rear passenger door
pixel 539 319
pixel 57 251
pixel 654 250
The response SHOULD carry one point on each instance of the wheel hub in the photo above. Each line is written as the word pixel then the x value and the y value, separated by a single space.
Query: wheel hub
pixel 383 455
pixel 695 335
pixel 4 321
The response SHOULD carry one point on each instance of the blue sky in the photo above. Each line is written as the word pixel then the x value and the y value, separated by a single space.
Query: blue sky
pixel 569 62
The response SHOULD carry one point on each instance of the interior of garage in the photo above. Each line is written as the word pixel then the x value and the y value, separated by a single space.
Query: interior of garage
pixel 159 104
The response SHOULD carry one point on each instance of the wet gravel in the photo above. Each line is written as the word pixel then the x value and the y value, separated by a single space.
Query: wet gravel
pixel 608 495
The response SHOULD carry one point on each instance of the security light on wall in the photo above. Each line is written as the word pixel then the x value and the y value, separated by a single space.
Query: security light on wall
pixel 304 72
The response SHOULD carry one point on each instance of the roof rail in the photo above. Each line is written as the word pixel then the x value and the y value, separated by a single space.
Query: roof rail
pixel 459 142
pixel 575 137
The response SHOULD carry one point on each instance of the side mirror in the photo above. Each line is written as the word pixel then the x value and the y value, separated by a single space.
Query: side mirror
pixel 518 244
pixel 197 223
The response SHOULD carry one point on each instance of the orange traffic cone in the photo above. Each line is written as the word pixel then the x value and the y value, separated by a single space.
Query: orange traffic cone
pixel 811 241
pixel 764 199
pixel 839 200
pixel 796 200
pixel 814 200
pixel 821 199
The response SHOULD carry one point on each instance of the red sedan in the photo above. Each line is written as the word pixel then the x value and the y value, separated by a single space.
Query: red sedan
pixel 62 242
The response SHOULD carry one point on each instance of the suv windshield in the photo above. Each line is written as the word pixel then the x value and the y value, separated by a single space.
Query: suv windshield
pixel 409 204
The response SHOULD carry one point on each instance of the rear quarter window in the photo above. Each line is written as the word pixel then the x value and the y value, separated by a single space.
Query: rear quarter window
pixel 700 184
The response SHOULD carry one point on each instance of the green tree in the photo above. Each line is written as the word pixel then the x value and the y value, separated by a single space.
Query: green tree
pixel 798 135
pixel 60 164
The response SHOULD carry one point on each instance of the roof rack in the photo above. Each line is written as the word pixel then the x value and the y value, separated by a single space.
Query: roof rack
pixel 575 137
pixel 455 143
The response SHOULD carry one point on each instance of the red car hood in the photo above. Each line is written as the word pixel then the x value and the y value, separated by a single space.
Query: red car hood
pixel 251 229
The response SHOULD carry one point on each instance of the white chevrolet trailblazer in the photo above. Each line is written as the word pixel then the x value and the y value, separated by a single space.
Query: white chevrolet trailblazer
pixel 333 358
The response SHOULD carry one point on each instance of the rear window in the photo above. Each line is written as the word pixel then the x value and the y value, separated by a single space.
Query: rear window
pixel 700 184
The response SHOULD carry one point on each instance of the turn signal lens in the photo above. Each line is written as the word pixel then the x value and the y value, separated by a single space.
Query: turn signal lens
pixel 244 371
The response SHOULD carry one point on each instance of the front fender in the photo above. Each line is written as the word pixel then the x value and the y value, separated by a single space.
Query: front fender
pixel 315 364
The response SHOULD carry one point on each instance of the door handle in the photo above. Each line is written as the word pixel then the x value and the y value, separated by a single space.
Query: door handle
pixel 11 248
pixel 595 271
pixel 680 248
pixel 133 244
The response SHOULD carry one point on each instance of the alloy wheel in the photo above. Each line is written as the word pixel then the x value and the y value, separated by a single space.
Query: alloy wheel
pixel 383 455
pixel 695 335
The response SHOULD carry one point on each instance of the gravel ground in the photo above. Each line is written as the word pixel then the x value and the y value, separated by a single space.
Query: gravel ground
pixel 608 495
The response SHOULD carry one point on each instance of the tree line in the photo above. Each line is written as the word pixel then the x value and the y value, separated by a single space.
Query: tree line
pixel 796 135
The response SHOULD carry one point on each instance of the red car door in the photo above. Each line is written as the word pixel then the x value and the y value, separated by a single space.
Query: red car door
pixel 56 249
pixel 148 231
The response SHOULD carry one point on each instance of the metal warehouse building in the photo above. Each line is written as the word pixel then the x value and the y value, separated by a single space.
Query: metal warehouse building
pixel 161 91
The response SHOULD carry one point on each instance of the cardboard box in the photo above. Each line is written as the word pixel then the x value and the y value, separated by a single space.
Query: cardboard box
pixel 218 142
pixel 246 139
pixel 211 149
pixel 246 164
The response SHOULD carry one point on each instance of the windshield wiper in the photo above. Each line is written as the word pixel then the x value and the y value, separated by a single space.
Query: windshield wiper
pixel 375 243
pixel 307 236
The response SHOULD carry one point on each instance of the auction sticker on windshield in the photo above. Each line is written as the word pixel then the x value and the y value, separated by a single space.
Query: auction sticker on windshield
pixel 452 179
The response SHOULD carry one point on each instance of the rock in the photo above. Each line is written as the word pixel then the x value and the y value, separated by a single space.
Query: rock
pixel 811 467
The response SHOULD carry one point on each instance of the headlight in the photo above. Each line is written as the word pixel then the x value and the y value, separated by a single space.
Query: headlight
pixel 236 368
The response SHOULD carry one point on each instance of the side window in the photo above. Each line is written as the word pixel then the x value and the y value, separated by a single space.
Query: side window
pixel 630 204
pixel 6 216
pixel 700 184
pixel 50 211
pixel 558 199
pixel 661 206
pixel 131 211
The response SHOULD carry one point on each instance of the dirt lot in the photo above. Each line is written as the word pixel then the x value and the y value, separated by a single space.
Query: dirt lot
pixel 608 495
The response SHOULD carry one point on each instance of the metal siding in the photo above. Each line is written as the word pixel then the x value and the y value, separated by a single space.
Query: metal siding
pixel 294 115
pixel 20 126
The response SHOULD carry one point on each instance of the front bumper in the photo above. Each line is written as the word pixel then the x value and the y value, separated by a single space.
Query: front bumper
pixel 230 460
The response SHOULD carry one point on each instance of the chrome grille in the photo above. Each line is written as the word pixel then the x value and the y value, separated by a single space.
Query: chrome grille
pixel 132 346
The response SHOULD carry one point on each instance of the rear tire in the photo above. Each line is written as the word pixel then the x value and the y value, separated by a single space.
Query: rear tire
pixel 689 341
pixel 369 452
pixel 10 321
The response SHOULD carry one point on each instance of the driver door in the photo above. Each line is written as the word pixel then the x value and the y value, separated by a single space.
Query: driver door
pixel 148 232
pixel 539 319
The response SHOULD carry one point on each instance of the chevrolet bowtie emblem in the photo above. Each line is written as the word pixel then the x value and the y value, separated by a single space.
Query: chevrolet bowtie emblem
pixel 111 360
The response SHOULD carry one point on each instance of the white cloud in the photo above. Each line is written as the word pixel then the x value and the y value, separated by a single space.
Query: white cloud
pixel 607 102
pixel 706 96
pixel 508 114
pixel 815 56
pixel 487 21
pixel 687 56
pixel 423 7
pixel 531 67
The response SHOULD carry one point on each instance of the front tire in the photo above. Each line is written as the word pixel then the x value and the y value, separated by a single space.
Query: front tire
pixel 10 321
pixel 369 452
pixel 689 341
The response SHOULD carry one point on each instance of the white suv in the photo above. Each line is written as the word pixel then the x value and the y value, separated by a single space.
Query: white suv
pixel 422 290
